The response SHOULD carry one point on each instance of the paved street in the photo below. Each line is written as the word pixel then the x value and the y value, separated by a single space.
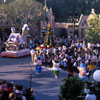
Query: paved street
pixel 18 71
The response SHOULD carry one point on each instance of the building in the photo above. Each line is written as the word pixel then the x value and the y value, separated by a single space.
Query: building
pixel 73 29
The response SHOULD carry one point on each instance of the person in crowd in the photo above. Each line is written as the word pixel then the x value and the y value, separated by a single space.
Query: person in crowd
pixel 11 91
pixel 30 94
pixel 90 69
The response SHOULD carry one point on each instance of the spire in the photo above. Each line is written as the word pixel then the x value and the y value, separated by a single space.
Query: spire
pixel 45 3
pixel 50 9
pixel 45 6
pixel 92 11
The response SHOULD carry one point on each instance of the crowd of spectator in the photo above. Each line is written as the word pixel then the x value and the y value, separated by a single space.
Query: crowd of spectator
pixel 71 53
pixel 11 91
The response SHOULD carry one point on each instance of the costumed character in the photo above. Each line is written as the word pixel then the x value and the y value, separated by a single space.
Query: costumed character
pixel 12 37
pixel 13 40
pixel 25 30
pixel 32 54
pixel 55 68
pixel 38 64
pixel 82 72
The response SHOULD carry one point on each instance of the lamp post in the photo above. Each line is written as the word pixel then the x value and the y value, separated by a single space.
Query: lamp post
pixel 30 77
pixel 73 19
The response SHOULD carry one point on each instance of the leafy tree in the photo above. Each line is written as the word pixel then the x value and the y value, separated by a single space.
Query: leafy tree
pixel 62 8
pixel 71 89
pixel 22 11
pixel 93 32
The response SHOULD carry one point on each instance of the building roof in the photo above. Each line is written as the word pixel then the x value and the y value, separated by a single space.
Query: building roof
pixel 83 18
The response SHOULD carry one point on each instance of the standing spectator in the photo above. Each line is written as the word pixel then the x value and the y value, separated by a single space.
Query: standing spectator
pixel 70 68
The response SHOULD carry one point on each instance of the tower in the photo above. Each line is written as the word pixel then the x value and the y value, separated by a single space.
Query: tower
pixel 45 5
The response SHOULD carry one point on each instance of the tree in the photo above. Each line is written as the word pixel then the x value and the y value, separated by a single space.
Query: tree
pixel 62 8
pixel 71 89
pixel 93 32
pixel 22 11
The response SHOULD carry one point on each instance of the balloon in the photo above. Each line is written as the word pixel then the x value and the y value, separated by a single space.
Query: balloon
pixel 90 97
pixel 96 75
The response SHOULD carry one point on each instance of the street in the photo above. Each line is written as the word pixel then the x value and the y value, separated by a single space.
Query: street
pixel 17 70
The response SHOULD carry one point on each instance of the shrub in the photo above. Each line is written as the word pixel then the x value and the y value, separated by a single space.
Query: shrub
pixel 71 89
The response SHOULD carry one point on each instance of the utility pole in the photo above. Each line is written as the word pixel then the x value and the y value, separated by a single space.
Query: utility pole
pixel 30 77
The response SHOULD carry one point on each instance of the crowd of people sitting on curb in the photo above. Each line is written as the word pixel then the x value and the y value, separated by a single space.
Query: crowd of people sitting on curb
pixel 72 55
pixel 11 91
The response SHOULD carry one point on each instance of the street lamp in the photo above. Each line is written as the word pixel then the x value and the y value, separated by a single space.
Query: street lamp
pixel 73 19
pixel 30 76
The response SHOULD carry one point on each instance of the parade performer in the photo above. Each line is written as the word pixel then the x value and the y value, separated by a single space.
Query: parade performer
pixel 25 30
pixel 38 63
pixel 32 51
pixel 82 72
pixel 55 68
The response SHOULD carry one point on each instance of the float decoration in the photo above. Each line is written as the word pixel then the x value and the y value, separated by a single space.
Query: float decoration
pixel 48 41
pixel 15 46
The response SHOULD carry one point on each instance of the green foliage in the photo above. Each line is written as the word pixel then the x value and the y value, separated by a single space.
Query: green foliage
pixel 71 89
pixel 22 11
pixel 93 32
pixel 62 8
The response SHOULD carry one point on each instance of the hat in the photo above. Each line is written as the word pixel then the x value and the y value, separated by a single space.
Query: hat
pixel 82 65
pixel 56 59
pixel 39 57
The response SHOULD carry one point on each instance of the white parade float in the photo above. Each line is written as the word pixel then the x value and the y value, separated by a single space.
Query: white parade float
pixel 15 46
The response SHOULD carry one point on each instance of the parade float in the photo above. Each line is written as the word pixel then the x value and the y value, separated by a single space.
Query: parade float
pixel 15 46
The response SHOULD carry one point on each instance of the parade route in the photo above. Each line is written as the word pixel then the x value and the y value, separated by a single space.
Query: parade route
pixel 18 71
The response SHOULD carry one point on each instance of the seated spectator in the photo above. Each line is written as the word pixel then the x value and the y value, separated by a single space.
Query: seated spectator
pixel 29 94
